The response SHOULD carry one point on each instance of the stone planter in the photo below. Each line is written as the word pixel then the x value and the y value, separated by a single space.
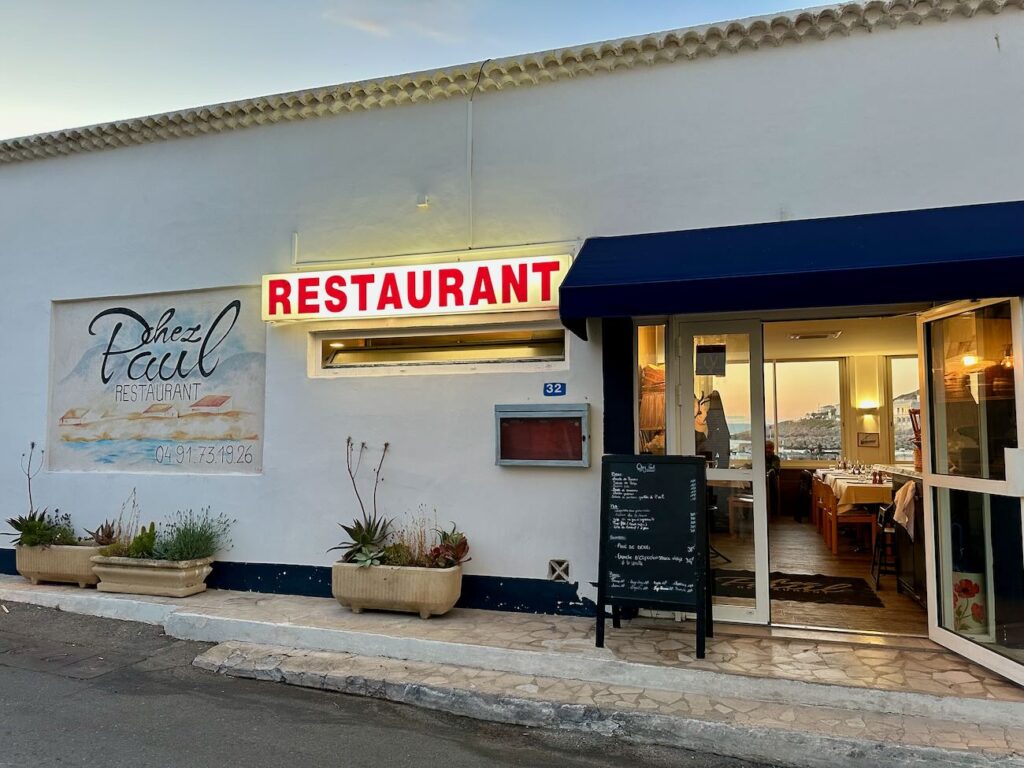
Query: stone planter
pixel 426 591
pixel 151 577
pixel 67 564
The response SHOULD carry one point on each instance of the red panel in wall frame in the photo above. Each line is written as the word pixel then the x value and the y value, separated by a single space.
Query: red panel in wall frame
pixel 558 438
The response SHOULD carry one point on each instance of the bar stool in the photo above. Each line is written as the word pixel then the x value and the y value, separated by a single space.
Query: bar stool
pixel 883 559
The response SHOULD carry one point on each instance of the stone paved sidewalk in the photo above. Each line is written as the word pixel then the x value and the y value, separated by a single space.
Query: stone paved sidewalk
pixel 883 664
pixel 769 731
pixel 816 694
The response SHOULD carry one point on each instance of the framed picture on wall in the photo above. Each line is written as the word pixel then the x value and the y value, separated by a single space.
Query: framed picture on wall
pixel 868 440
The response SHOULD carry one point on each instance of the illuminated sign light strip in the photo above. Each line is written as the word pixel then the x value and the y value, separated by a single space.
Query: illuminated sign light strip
pixel 496 285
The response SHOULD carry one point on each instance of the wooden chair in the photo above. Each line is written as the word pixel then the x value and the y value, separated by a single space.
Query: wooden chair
pixel 827 513
pixel 819 503
pixel 856 516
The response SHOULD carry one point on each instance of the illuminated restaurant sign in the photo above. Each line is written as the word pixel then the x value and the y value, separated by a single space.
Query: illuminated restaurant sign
pixel 496 285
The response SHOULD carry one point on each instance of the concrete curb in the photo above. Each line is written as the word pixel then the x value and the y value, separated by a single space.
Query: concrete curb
pixel 794 749
pixel 187 623
pixel 192 626
pixel 92 603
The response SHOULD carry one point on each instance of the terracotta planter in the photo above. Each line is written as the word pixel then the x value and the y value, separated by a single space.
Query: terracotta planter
pixel 426 591
pixel 66 564
pixel 166 578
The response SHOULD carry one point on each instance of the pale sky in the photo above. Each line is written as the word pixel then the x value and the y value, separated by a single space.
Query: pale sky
pixel 69 63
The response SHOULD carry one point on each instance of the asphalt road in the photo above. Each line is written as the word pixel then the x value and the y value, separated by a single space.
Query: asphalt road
pixel 83 691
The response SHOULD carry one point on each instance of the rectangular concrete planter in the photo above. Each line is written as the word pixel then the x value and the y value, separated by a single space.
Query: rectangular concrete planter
pixel 66 564
pixel 166 578
pixel 426 591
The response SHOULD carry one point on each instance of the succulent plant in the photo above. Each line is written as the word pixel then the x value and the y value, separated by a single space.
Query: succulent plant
pixel 105 533
pixel 29 529
pixel 370 532
pixel 452 549
pixel 364 558
pixel 42 529
pixel 143 544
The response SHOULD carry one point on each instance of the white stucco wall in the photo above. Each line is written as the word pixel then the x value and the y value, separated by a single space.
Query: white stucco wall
pixel 892 120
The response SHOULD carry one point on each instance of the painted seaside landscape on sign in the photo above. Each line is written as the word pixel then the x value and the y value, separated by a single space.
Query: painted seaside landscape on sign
pixel 169 383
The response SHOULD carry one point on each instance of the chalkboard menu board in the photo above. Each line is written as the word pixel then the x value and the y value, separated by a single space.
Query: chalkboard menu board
pixel 654 540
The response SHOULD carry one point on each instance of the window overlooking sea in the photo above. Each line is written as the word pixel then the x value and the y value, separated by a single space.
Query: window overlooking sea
pixel 802 414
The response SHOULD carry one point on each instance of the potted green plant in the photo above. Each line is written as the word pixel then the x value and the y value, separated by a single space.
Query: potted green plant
pixel 172 561
pixel 411 569
pixel 45 544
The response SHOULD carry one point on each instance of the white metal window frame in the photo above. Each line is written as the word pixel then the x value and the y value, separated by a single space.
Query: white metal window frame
pixel 316 369
pixel 846 409
pixel 679 382
pixel 889 395
pixel 931 481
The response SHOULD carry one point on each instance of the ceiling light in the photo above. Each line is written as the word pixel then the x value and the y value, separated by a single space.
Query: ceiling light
pixel 337 344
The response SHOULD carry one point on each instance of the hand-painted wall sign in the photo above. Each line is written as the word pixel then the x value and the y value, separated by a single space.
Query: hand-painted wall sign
pixel 169 383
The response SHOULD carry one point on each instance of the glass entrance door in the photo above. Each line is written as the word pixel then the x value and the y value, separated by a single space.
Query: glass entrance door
pixel 720 415
pixel 972 418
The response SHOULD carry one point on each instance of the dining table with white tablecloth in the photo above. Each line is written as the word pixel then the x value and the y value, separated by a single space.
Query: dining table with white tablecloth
pixel 853 490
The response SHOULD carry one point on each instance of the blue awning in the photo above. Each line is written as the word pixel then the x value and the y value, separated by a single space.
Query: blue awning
pixel 937 254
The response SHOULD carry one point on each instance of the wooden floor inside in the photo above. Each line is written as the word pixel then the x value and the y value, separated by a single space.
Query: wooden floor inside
pixel 798 548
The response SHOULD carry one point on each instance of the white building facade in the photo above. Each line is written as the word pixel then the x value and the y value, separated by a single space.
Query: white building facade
pixel 868 109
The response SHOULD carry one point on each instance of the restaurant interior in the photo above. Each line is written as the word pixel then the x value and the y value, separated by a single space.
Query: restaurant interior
pixel 841 413
pixel 842 429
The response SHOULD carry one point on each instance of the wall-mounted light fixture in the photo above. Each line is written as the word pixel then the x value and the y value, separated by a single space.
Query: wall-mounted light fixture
pixel 814 335
pixel 869 401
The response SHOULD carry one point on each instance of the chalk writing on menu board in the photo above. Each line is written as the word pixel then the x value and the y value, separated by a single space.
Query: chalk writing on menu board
pixel 652 534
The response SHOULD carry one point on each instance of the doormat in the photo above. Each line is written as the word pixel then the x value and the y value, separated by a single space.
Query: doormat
pixel 802 588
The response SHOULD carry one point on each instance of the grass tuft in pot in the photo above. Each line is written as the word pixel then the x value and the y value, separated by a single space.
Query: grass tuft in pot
pixel 191 536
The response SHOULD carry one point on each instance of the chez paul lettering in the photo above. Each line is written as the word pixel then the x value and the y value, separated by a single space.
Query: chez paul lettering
pixel 144 344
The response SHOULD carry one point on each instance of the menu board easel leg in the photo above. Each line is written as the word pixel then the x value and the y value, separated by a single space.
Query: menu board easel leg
pixel 708 598
pixel 701 630
pixel 600 625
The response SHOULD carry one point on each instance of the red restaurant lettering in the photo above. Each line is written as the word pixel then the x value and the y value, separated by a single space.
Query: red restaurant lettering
pixel 449 285
pixel 362 281
pixel 545 269
pixel 333 288
pixel 483 288
pixel 308 295
pixel 279 290
pixel 421 301
pixel 389 293
pixel 468 286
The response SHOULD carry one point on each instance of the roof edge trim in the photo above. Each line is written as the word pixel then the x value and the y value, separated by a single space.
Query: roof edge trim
pixel 706 41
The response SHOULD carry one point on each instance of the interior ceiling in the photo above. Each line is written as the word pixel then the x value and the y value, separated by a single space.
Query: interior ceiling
pixel 860 336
